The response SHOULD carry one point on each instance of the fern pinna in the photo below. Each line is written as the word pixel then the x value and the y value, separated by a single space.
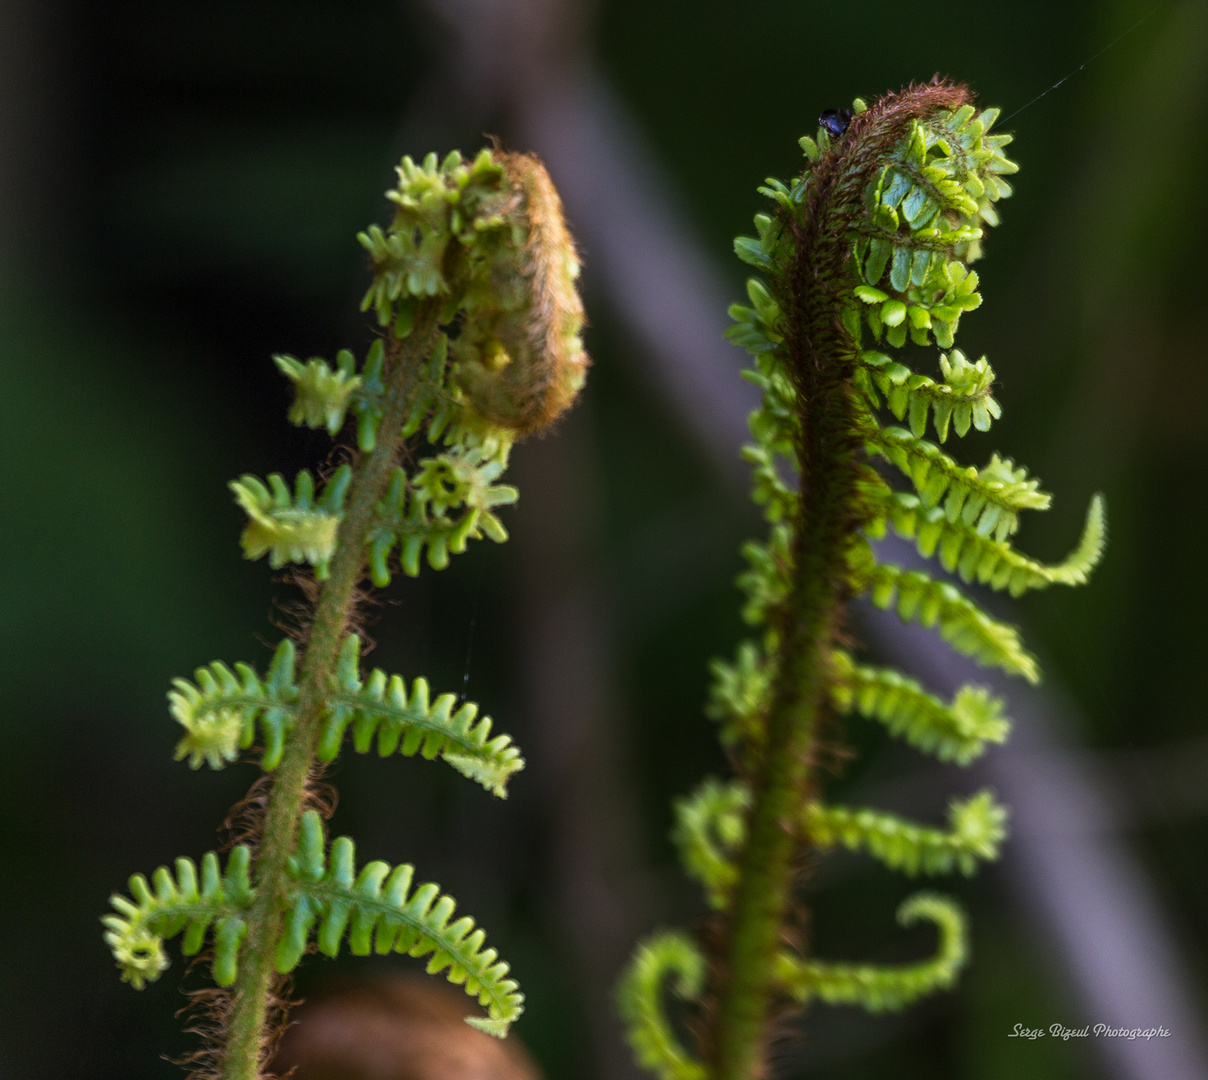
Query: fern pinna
pixel 863 255
pixel 479 344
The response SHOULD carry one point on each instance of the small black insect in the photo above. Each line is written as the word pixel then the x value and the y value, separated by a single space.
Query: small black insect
pixel 835 121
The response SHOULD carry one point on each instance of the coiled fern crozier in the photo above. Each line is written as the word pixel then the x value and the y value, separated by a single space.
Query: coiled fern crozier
pixel 867 250
pixel 477 247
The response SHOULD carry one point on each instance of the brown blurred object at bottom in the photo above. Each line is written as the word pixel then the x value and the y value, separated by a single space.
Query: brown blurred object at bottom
pixel 400 1027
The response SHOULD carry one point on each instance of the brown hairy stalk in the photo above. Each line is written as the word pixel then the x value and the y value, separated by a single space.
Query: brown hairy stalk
pixel 821 361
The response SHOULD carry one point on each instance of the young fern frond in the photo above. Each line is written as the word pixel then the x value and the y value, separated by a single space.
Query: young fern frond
pixel 709 827
pixel 974 555
pixel 958 731
pixel 875 236
pixel 639 998
pixel 379 910
pixel 292 527
pixel 880 988
pixel 989 499
pixel 976 827
pixel 969 630
pixel 537 323
pixel 221 710
pixel 182 904
pixel 480 246
pixel 963 398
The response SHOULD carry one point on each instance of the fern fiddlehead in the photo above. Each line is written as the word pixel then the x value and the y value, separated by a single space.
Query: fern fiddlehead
pixel 481 245
pixel 867 249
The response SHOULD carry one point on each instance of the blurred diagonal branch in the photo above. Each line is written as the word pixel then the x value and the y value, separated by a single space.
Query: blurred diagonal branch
pixel 578 751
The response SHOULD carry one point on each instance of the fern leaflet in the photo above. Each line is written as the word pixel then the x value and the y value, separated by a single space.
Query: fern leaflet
pixel 988 499
pixel 321 393
pixel 415 513
pixel 378 909
pixel 639 999
pixel 976 828
pixel 220 712
pixel 880 988
pixel 182 903
pixel 975 556
pixel 963 398
pixel 919 598
pixel 958 731
pixel 292 527
pixel 709 827
pixel 381 707
pixel 738 694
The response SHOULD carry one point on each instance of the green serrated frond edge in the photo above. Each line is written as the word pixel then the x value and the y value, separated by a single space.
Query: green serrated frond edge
pixel 975 556
pixel 184 902
pixel 958 731
pixel 988 499
pixel 919 598
pixel 667 955
pixel 378 909
pixel 708 827
pixel 976 828
pixel 220 712
pixel 884 989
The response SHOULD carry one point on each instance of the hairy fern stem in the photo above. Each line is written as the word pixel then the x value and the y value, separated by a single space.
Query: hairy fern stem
pixel 805 626
pixel 873 238
pixel 822 358
pixel 248 1034
pixel 480 245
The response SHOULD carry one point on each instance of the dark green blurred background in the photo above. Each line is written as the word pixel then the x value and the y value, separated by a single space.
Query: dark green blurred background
pixel 181 184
